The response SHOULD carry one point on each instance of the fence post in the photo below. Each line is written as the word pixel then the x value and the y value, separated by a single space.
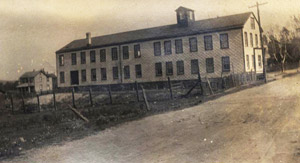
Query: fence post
pixel 200 82
pixel 208 82
pixel 109 91
pixel 54 100
pixel 23 104
pixel 91 100
pixel 12 103
pixel 38 100
pixel 170 87
pixel 73 98
pixel 137 91
pixel 145 98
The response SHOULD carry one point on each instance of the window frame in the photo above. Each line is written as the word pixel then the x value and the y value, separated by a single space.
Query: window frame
pixel 252 23
pixel 246 39
pixel 259 57
pixel 125 51
pixel 248 61
pixel 74 58
pixel 251 40
pixel 178 46
pixel 223 64
pixel 82 58
pixel 169 64
pixel 103 74
pixel 83 75
pixel 256 40
pixel 196 44
pixel 180 66
pixel 157 50
pixel 93 76
pixel 102 55
pixel 221 41
pixel 195 66
pixel 210 66
pixel 137 51
pixel 115 71
pixel 61 60
pixel 92 56
pixel 138 71
pixel 114 54
pixel 126 72
pixel 158 66
pixel 62 77
pixel 210 42
pixel 168 47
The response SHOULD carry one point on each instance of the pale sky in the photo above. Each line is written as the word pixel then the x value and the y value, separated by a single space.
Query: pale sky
pixel 32 30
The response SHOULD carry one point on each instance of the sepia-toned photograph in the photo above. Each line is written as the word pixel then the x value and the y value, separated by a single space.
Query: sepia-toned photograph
pixel 149 81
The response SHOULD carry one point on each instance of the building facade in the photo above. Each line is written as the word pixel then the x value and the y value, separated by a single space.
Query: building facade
pixel 37 82
pixel 214 47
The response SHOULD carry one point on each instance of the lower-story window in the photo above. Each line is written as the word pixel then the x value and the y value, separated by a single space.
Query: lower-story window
pixel 138 71
pixel 209 65
pixel 93 74
pixel 248 62
pixel 126 72
pixel 194 66
pixel 226 64
pixel 158 69
pixel 103 74
pixel 180 67
pixel 62 77
pixel 259 61
pixel 169 68
pixel 83 75
pixel 115 73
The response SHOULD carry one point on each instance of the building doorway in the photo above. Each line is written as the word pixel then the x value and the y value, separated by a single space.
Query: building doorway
pixel 74 78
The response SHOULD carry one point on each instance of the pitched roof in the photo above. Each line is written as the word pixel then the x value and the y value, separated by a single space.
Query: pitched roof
pixel 169 31
pixel 183 8
pixel 30 74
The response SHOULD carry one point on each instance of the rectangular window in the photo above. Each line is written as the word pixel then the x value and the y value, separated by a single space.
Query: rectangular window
pixel 194 66
pixel 126 72
pixel 158 69
pixel 193 44
pixel 61 60
pixel 138 71
pixel 125 52
pixel 251 39
pixel 224 41
pixel 115 73
pixel 248 62
pixel 74 60
pixel 225 64
pixel 180 67
pixel 93 75
pixel 256 40
pixel 259 61
pixel 157 49
pixel 178 46
pixel 252 23
pixel 137 51
pixel 103 74
pixel 208 43
pixel 92 56
pixel 83 75
pixel 62 77
pixel 210 65
pixel 253 61
pixel 168 47
pixel 169 68
pixel 114 54
pixel 102 55
pixel 246 39
pixel 82 58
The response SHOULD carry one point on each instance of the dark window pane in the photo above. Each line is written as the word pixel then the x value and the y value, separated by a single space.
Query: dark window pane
pixel 194 66
pixel 157 48
pixel 168 47
pixel 83 75
pixel 224 41
pixel 210 65
pixel 193 44
pixel 82 58
pixel 158 69
pixel 62 77
pixel 251 39
pixel 137 51
pixel 74 60
pixel 61 60
pixel 180 67
pixel 246 39
pixel 252 23
pixel 115 73
pixel 225 64
pixel 125 52
pixel 126 72
pixel 208 43
pixel 114 54
pixel 102 55
pixel 178 46
pixel 169 68
pixel 93 75
pixel 92 56
pixel 138 71
pixel 103 74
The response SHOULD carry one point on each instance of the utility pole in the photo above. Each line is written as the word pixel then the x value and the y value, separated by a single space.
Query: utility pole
pixel 261 38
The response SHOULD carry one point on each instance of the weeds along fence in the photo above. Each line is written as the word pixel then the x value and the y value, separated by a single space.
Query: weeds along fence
pixel 97 96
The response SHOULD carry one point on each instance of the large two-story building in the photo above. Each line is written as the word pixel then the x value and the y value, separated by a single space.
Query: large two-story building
pixel 216 47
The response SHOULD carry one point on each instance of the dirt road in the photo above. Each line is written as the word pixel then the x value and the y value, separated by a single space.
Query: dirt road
pixel 261 124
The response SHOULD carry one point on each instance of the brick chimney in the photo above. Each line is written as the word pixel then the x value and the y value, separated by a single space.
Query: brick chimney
pixel 88 38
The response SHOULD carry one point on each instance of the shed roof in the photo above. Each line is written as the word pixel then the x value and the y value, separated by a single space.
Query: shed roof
pixel 168 31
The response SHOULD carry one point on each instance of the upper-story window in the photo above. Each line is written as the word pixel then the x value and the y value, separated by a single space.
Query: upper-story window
pixel 246 39
pixel 168 47
pixel 137 51
pixel 102 55
pixel 224 41
pixel 256 40
pixel 82 58
pixel 252 23
pixel 93 56
pixel 61 60
pixel 114 54
pixel 157 48
pixel 251 39
pixel 225 64
pixel 74 59
pixel 178 46
pixel 208 42
pixel 193 44
pixel 125 52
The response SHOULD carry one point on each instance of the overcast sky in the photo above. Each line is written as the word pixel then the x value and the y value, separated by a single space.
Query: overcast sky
pixel 32 30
